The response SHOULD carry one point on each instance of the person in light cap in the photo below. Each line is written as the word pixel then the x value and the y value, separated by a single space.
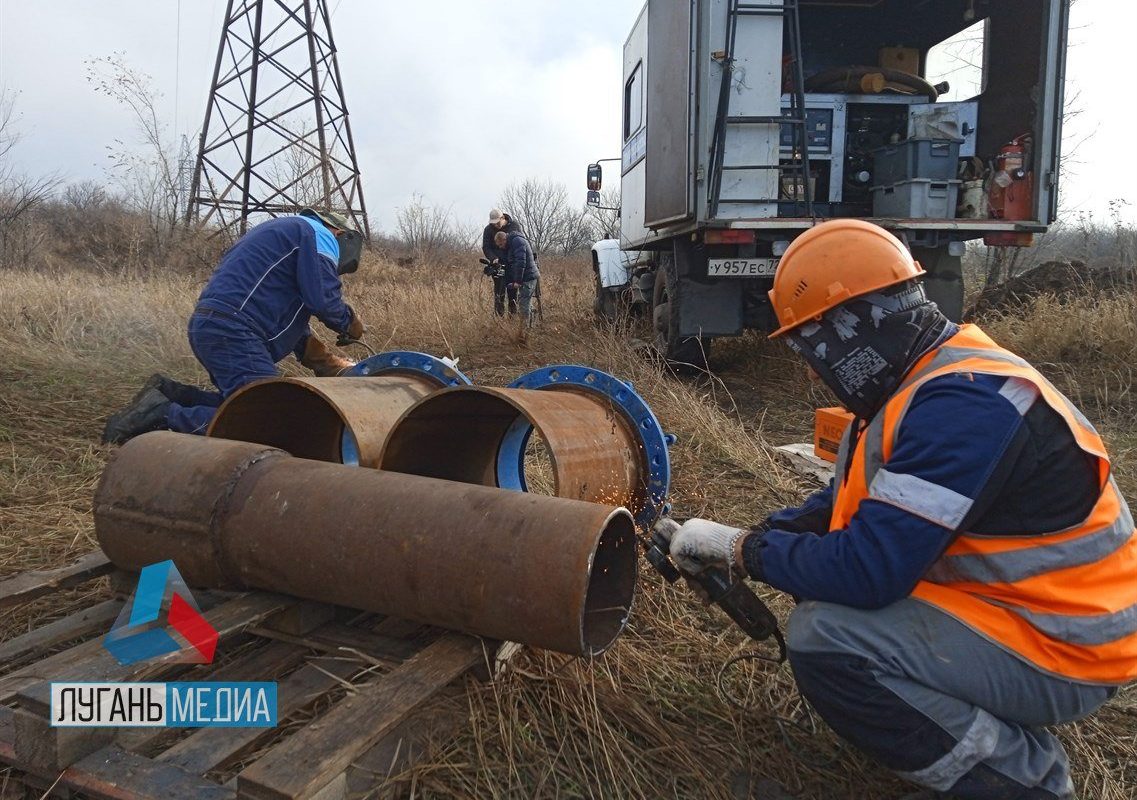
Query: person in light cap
pixel 969 577
pixel 503 291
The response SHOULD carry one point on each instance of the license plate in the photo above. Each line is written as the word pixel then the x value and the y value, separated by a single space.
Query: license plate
pixel 741 267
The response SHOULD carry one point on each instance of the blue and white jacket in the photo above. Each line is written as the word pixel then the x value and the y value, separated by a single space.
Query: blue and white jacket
pixel 275 278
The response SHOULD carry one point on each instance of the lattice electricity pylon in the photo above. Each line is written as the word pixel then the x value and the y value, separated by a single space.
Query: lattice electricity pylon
pixel 276 136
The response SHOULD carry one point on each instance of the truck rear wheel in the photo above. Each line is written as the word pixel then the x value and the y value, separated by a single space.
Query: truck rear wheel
pixel 682 353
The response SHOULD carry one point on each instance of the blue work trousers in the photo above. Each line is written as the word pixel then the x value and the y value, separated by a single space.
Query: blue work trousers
pixel 233 355
pixel 934 701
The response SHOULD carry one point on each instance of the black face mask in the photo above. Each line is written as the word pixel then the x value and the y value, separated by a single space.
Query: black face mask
pixel 863 348
pixel 351 249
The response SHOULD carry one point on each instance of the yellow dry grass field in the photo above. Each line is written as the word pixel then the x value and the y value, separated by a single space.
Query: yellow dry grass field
pixel 645 720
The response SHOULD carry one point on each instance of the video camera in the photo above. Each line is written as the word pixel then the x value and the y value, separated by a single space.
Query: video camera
pixel 492 269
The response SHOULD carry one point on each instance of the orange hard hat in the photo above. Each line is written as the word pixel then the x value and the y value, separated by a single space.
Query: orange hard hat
pixel 834 262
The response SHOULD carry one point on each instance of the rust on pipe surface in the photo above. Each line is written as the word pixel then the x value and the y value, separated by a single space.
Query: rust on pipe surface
pixel 482 433
pixel 308 417
pixel 543 571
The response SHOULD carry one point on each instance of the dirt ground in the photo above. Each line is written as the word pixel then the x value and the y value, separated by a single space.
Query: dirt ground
pixel 646 719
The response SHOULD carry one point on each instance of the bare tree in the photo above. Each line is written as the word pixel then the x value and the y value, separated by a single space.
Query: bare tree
pixel 577 232
pixel 156 180
pixel 84 196
pixel 20 195
pixel 551 224
pixel 8 133
pixel 426 229
pixel 467 236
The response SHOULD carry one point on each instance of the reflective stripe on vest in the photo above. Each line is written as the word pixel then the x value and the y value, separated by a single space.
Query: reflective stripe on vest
pixel 1067 600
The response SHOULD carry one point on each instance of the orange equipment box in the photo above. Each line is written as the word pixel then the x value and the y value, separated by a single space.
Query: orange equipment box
pixel 828 429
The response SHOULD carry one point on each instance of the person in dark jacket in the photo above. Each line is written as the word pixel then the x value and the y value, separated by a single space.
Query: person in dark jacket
pixel 520 271
pixel 254 311
pixel 502 291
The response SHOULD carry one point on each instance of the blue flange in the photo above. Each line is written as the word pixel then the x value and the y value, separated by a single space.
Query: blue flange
pixel 407 362
pixel 399 362
pixel 635 410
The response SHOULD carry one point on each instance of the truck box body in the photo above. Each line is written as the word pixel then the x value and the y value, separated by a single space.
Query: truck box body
pixel 715 187
pixel 666 157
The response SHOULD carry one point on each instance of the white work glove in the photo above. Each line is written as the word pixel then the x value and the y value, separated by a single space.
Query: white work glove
pixel 700 543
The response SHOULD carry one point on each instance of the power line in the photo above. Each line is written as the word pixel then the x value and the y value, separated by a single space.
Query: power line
pixel 177 65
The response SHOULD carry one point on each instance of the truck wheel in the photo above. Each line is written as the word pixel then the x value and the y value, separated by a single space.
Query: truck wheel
pixel 944 281
pixel 687 353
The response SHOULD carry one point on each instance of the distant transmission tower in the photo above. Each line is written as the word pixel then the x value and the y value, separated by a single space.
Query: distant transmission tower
pixel 276 136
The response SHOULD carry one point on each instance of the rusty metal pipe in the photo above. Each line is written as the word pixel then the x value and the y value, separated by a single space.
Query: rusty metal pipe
pixel 544 571
pixel 309 417
pixel 482 433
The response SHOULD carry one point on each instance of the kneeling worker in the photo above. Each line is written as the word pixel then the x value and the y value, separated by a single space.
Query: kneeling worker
pixel 970 576
pixel 252 313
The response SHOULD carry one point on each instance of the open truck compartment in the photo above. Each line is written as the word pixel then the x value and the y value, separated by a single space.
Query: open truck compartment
pixel 706 80
pixel 745 122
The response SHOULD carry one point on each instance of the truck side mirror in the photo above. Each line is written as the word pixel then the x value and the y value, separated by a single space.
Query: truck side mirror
pixel 595 177
pixel 593 198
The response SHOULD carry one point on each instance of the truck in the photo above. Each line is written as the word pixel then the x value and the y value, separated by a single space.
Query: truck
pixel 745 123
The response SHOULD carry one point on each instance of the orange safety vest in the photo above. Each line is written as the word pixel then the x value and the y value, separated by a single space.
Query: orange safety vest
pixel 1066 601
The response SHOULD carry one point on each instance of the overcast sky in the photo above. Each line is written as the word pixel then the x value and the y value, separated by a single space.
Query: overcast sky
pixel 454 99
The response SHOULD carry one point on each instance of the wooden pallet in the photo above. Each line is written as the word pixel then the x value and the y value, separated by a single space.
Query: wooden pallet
pixel 360 697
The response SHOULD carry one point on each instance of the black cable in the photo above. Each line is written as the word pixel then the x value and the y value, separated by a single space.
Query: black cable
pixel 807 725
pixel 344 342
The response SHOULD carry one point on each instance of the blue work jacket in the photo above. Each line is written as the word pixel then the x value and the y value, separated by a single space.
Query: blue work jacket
pixel 275 278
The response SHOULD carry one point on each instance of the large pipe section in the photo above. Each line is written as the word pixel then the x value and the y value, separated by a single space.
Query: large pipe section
pixel 605 444
pixel 334 419
pixel 544 571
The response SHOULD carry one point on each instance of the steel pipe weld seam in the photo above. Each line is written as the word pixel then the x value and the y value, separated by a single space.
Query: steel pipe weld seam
pixel 544 571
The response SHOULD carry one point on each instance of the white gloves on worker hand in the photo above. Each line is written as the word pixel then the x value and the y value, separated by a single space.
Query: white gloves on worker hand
pixel 700 543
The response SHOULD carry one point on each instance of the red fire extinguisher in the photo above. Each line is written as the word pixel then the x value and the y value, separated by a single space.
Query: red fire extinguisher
pixel 1010 192
pixel 1012 183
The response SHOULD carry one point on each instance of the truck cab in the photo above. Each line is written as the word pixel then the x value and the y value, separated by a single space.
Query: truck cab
pixel 745 123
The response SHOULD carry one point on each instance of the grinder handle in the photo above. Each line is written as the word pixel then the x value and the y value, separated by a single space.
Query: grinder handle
pixel 740 603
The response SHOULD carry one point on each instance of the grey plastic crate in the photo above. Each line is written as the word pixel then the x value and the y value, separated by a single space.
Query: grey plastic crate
pixel 935 159
pixel 916 199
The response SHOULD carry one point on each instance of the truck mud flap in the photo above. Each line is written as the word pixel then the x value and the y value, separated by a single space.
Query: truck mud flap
pixel 707 306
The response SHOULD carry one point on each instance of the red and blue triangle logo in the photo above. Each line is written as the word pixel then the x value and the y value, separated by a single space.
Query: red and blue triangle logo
pixel 161 618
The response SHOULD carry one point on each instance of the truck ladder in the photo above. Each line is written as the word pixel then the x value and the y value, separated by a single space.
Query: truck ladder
pixel 796 119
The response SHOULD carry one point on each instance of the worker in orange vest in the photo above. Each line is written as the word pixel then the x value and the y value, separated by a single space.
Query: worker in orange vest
pixel 970 575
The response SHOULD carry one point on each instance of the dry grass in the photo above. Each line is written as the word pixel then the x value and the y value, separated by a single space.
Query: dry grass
pixel 645 719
